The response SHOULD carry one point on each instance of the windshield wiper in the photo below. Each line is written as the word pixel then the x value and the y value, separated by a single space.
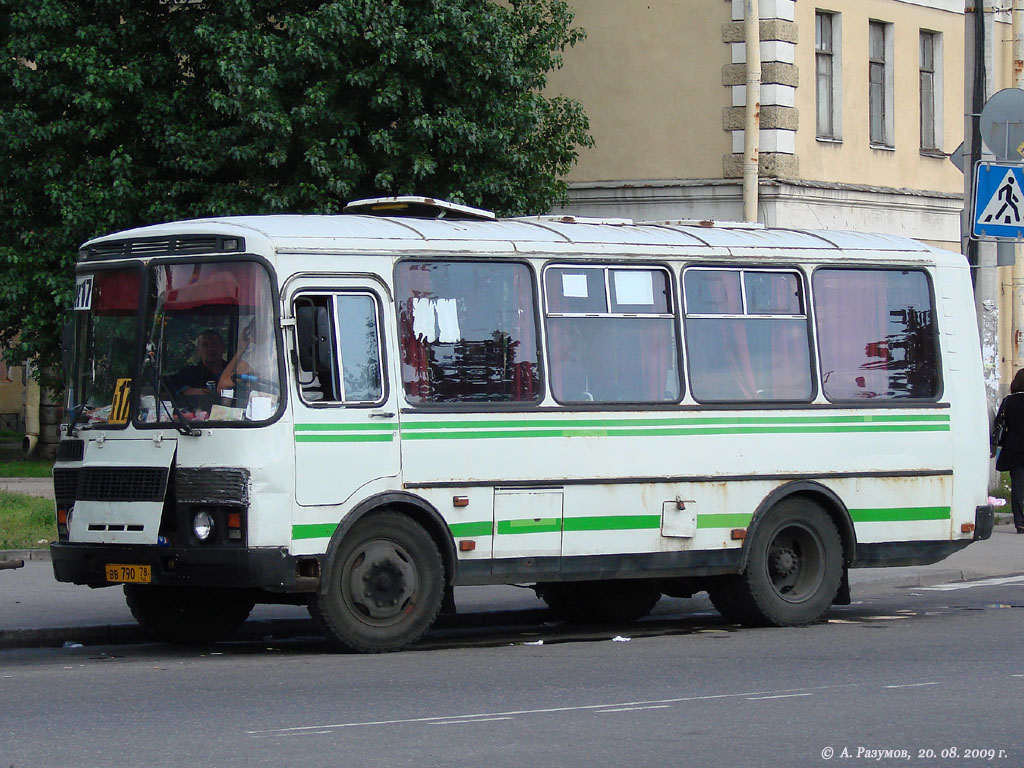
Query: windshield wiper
pixel 183 427
pixel 76 411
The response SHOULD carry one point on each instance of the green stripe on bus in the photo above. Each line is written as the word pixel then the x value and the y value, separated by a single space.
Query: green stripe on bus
pixel 314 531
pixel 340 427
pixel 530 525
pixel 386 438
pixel 900 514
pixel 612 523
pixel 673 421
pixel 670 432
pixel 481 528
pixel 731 520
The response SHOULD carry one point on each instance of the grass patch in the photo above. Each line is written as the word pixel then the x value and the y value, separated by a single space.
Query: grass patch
pixel 25 468
pixel 14 464
pixel 26 522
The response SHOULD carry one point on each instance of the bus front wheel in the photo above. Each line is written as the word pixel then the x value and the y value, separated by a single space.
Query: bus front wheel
pixel 187 615
pixel 793 571
pixel 383 587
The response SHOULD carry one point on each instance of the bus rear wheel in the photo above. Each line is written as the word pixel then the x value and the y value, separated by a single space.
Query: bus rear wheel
pixel 383 587
pixel 793 571
pixel 600 602
pixel 187 615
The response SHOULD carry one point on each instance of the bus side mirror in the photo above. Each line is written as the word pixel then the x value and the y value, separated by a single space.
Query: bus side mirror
pixel 314 338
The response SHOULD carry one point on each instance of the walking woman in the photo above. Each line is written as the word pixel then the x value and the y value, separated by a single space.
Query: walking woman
pixel 1011 457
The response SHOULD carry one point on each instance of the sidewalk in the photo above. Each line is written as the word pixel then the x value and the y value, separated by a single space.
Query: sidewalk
pixel 33 486
pixel 36 610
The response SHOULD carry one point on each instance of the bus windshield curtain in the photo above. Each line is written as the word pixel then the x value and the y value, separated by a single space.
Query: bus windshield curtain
pixel 415 358
pixel 655 340
pixel 733 345
pixel 524 372
pixel 852 333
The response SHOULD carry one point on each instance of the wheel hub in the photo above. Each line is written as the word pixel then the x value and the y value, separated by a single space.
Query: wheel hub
pixel 380 582
pixel 384 584
pixel 785 562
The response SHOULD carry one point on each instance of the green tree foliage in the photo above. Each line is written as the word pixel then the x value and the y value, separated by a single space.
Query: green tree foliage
pixel 117 113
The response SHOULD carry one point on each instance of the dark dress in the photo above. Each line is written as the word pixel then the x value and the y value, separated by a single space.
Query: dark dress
pixel 1011 454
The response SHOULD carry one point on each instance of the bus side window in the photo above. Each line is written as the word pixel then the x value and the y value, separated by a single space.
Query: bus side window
pixel 611 335
pixel 747 335
pixel 338 343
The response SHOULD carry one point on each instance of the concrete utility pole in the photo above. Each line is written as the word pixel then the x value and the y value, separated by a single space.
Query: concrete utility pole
pixel 1017 295
pixel 978 82
pixel 752 114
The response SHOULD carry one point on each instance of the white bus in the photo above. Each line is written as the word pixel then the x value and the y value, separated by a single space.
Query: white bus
pixel 362 411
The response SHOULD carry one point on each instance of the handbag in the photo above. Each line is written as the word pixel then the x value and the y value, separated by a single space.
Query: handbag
pixel 995 439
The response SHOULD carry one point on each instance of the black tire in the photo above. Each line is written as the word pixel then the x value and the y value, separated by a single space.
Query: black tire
pixel 794 568
pixel 187 615
pixel 600 602
pixel 383 586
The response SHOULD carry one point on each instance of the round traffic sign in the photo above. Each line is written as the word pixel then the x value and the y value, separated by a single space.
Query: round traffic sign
pixel 1002 124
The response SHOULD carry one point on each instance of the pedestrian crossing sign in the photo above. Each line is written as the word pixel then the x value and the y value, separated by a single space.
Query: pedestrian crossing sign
pixel 998 201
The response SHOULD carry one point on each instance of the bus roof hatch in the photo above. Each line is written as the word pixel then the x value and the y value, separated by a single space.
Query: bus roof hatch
pixel 417 207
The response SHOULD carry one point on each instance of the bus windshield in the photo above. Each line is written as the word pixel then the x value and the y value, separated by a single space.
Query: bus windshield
pixel 105 326
pixel 210 348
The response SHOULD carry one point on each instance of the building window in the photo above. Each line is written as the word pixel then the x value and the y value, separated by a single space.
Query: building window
pixel 827 60
pixel 931 91
pixel 880 84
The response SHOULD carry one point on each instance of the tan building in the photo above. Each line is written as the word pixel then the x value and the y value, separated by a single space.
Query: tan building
pixel 862 101
pixel 11 398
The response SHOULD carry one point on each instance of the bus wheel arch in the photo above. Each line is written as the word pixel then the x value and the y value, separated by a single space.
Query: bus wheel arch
pixel 815 493
pixel 414 507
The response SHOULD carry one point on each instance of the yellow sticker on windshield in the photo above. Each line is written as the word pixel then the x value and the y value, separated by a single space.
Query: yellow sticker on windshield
pixel 119 408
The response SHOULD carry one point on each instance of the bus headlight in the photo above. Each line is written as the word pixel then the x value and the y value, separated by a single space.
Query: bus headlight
pixel 202 525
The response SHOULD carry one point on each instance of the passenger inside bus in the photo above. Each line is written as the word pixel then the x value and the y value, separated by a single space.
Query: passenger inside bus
pixel 251 374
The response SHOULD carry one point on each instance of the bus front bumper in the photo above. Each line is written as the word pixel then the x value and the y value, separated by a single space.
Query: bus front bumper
pixel 235 567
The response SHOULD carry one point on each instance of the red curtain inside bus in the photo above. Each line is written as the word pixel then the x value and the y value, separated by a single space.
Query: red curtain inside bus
pixel 466 331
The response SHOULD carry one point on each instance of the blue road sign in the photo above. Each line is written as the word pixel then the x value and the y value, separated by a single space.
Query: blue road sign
pixel 998 201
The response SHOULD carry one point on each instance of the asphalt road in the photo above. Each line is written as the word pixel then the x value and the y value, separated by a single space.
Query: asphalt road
pixel 926 671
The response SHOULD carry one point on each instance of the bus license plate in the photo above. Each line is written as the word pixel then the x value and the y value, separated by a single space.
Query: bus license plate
pixel 131 574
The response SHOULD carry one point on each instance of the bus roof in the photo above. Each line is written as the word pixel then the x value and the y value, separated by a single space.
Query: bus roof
pixel 528 235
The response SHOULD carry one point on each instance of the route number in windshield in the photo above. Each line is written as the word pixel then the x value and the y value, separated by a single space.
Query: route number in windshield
pixel 119 408
pixel 83 292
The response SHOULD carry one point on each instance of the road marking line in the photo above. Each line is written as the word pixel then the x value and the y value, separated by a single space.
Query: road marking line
pixel 780 696
pixel 982 583
pixel 475 720
pixel 634 709
pixel 912 685
pixel 298 729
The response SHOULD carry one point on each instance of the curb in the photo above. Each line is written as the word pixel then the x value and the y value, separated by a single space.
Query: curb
pixel 42 555
pixel 926 579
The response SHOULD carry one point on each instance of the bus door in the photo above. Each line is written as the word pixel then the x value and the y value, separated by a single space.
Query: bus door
pixel 345 415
